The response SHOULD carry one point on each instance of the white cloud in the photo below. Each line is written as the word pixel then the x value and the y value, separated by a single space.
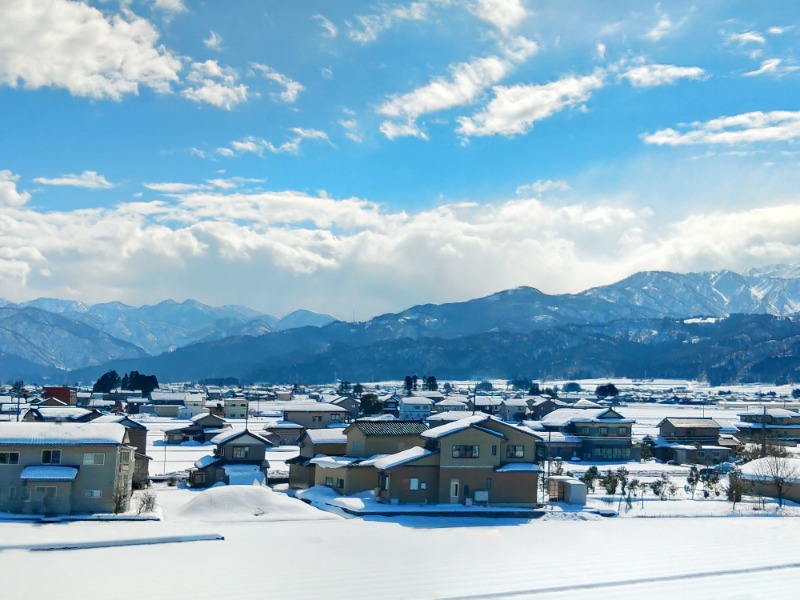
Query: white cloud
pixel 256 145
pixel 778 30
pixel 70 45
pixel 351 128
pixel 503 14
pixel 9 196
pixel 366 28
pixel 655 75
pixel 466 82
pixel 213 41
pixel 214 84
pixel 663 28
pixel 747 37
pixel 170 6
pixel 290 87
pixel 328 28
pixel 88 179
pixel 746 128
pixel 600 48
pixel 514 109
pixel 773 67
pixel 543 186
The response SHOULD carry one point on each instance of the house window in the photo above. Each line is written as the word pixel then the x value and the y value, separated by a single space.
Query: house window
pixel 45 492
pixel 584 431
pixel 124 457
pixel 466 451
pixel 316 419
pixel 517 451
pixel 604 431
pixel 701 454
pixel 336 418
pixel 9 458
pixel 329 481
pixel 622 431
pixel 51 457
pixel 241 451
pixel 488 483
pixel 94 458
pixel 340 483
pixel 494 450
pixel 92 493
pixel 413 483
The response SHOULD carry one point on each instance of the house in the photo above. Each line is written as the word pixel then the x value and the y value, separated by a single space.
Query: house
pixel 315 415
pixel 367 440
pixel 774 424
pixel 557 445
pixel 489 405
pixel 478 459
pixel 414 408
pixel 236 407
pixel 449 404
pixel 282 433
pixel 63 468
pixel 60 413
pixel 350 404
pixel 604 433
pixel 239 459
pixel 137 437
pixel 540 406
pixel 691 441
pixel 201 428
pixel 314 442
pixel 514 409
pixel 66 394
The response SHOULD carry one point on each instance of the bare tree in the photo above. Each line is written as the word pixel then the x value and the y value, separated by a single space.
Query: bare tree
pixel 777 471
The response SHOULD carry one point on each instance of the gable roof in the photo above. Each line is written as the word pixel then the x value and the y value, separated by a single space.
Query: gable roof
pixel 124 420
pixel 326 436
pixel 400 458
pixel 228 436
pixel 450 428
pixel 690 422
pixel 313 407
pixel 387 427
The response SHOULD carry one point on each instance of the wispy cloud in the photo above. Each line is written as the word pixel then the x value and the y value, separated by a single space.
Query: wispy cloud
pixel 463 86
pixel 257 145
pixel 746 37
pixel 774 67
pixel 514 109
pixel 213 41
pixel 506 15
pixel 329 30
pixel 170 6
pixel 655 74
pixel 746 128
pixel 543 186
pixel 290 87
pixel 89 180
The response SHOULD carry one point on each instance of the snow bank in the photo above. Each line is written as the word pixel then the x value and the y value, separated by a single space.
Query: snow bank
pixel 244 503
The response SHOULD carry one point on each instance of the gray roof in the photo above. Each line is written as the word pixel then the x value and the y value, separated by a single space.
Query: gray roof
pixel 690 422
pixel 389 427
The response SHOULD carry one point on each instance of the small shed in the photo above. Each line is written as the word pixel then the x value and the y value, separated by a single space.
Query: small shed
pixel 563 488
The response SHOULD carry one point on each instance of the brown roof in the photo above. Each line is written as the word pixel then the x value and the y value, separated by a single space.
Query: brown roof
pixel 389 427
pixel 689 422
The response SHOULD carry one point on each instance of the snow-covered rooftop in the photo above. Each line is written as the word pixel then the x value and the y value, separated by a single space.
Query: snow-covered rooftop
pixel 60 434
pixel 48 473
pixel 518 468
pixel 326 436
pixel 449 428
pixel 394 460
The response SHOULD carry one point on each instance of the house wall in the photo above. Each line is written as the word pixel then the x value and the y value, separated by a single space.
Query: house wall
pixel 69 495
pixel 365 446
pixel 353 479
pixel 315 419
pixel 399 484
pixel 470 437
pixel 256 449
pixel 704 435
pixel 301 476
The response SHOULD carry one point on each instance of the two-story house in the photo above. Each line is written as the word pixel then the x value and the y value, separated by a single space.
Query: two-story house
pixel 414 408
pixel 774 424
pixel 137 436
pixel 312 443
pixel 63 468
pixel 201 428
pixel 691 441
pixel 316 415
pixel 240 458
pixel 604 433
pixel 478 459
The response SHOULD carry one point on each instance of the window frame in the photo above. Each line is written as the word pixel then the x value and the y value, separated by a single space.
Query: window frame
pixel 93 461
pixel 466 451
pixel 9 456
pixel 240 452
pixel 51 455
pixel 413 484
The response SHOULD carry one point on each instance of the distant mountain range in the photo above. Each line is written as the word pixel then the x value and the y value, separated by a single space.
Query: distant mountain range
pixel 720 325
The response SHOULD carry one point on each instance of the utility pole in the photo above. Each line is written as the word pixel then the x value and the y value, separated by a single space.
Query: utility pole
pixel 764 431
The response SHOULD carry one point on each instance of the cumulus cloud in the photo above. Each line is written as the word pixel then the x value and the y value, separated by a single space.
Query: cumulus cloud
pixel 514 109
pixel 214 84
pixel 90 180
pixel 257 145
pixel 213 41
pixel 655 74
pixel 73 46
pixel 170 6
pixel 306 245
pixel 465 83
pixel 290 87
pixel 746 128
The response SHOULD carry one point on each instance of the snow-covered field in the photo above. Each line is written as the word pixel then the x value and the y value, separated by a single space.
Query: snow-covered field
pixel 277 546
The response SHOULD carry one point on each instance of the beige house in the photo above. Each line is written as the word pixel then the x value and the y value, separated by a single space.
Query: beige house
pixel 478 459
pixel 201 428
pixel 137 435
pixel 316 415
pixel 63 468
pixel 366 437
pixel 314 442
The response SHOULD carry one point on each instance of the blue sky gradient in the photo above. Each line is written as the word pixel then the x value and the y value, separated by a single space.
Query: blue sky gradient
pixel 362 157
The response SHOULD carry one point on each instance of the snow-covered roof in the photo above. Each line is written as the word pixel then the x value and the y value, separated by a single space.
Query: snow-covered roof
pixel 283 425
pixel 204 415
pixel 450 415
pixel 333 462
pixel 518 402
pixel 451 402
pixel 326 436
pixel 518 467
pixel 449 428
pixel 60 434
pixel 313 407
pixel 122 419
pixel 416 400
pixel 690 422
pixel 229 435
pixel 204 461
pixel 584 403
pixel 771 412
pixel 395 460
pixel 48 473
pixel 62 412
pixel 768 468
pixel 556 437
pixel 564 416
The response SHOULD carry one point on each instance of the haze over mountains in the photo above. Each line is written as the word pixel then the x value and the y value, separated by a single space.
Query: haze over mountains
pixel 650 324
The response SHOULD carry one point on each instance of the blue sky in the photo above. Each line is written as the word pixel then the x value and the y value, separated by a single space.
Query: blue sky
pixel 362 157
